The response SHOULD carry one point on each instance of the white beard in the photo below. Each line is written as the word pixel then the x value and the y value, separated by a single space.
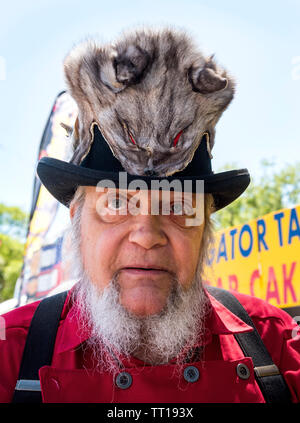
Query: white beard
pixel 117 334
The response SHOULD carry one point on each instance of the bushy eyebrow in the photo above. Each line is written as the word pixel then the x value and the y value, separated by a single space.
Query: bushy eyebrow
pixel 132 193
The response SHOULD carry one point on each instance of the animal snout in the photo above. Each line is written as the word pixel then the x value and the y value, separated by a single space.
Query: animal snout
pixel 149 171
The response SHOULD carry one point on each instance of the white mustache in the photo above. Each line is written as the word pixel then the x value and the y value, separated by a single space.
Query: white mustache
pixel 117 333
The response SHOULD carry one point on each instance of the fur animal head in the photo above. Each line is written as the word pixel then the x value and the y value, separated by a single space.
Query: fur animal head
pixel 153 95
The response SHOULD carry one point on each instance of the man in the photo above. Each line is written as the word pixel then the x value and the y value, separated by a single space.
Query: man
pixel 140 326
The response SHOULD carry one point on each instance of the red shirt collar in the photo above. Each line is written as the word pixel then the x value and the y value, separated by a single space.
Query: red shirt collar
pixel 220 321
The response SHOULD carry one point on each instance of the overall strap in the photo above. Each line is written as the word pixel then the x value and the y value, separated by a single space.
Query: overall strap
pixel 268 377
pixel 39 348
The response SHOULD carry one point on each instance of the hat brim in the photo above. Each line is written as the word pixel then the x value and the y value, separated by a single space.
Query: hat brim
pixel 62 179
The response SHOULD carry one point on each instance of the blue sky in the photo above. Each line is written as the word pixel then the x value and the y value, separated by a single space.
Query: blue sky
pixel 257 41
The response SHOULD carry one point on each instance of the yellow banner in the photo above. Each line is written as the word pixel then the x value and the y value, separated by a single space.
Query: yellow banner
pixel 260 258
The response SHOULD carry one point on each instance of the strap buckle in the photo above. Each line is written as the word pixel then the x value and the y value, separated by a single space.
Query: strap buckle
pixel 270 370
pixel 28 385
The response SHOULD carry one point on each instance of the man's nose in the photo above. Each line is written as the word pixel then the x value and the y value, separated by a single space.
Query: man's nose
pixel 147 232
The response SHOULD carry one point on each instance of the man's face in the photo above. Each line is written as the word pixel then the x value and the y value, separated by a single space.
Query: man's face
pixel 146 252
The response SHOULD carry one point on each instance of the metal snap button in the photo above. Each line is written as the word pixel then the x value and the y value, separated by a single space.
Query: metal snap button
pixel 123 380
pixel 191 374
pixel 242 371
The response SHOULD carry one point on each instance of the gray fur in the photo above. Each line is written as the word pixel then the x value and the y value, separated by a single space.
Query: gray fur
pixel 152 85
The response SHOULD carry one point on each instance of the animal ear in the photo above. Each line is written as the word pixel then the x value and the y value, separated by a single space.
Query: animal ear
pixel 207 79
pixel 130 64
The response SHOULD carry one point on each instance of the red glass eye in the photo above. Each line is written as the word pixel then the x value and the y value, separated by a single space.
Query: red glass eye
pixel 131 137
pixel 177 138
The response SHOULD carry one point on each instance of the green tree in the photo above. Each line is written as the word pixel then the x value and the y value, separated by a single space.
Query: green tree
pixel 11 260
pixel 13 224
pixel 274 190
pixel 13 221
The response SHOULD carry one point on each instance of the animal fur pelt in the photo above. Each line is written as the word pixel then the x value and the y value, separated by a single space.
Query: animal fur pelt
pixel 153 95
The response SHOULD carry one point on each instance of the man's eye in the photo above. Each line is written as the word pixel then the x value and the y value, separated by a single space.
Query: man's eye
pixel 116 203
pixel 182 208
pixel 177 208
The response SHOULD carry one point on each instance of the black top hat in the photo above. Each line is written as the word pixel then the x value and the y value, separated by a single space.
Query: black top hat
pixel 62 178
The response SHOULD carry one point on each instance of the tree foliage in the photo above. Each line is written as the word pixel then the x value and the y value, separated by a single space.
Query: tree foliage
pixel 13 221
pixel 11 260
pixel 273 190
pixel 13 224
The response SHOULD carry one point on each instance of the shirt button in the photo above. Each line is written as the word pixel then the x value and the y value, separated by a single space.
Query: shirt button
pixel 123 380
pixel 242 371
pixel 191 374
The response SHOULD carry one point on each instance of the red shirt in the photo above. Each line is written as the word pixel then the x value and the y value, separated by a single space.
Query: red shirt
pixel 71 378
